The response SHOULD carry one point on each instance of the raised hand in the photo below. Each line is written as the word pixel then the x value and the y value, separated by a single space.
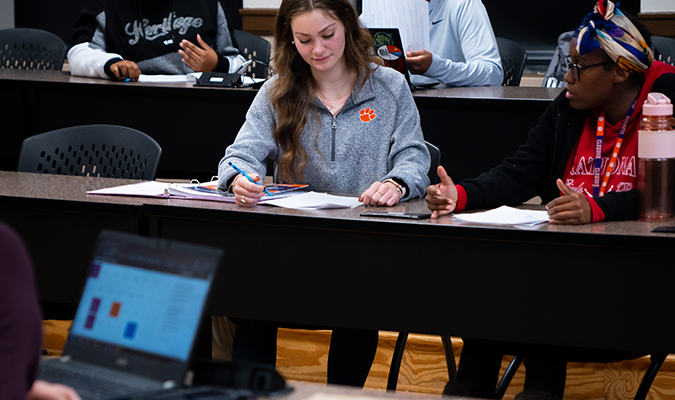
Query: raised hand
pixel 200 57
pixel 442 198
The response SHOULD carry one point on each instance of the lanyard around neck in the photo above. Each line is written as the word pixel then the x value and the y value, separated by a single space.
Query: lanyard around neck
pixel 600 188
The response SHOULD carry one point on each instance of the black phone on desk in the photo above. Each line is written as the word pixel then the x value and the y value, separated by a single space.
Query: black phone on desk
pixel 394 214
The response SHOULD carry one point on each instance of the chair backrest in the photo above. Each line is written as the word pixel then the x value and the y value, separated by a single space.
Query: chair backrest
pixel 255 48
pixel 664 49
pixel 513 58
pixel 557 68
pixel 27 48
pixel 435 154
pixel 108 151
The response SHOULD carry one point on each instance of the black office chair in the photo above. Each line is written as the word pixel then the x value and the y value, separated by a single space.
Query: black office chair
pixel 435 154
pixel 108 151
pixel 399 348
pixel 255 48
pixel 27 48
pixel 664 49
pixel 513 58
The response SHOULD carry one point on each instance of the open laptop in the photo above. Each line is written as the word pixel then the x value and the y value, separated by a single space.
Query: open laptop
pixel 138 316
pixel 389 47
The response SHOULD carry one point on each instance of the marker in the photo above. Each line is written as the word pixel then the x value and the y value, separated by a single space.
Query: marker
pixel 247 177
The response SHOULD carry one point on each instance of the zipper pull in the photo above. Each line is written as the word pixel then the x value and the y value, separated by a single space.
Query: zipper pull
pixel 334 122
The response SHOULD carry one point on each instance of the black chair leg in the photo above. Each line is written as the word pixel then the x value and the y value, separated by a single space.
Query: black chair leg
pixel 392 380
pixel 508 376
pixel 648 379
pixel 449 357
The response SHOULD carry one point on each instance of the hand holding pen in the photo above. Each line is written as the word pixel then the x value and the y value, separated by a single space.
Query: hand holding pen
pixel 126 70
pixel 249 191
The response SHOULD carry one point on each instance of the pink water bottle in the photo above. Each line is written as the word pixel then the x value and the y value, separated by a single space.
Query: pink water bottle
pixel 656 159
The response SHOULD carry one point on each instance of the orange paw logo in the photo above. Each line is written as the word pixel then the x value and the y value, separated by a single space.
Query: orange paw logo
pixel 367 114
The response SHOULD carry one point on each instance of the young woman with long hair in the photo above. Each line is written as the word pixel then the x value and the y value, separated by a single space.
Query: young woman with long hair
pixel 332 119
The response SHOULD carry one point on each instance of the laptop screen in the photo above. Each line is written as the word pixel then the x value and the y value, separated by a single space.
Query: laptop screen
pixel 143 297
pixel 389 47
pixel 140 309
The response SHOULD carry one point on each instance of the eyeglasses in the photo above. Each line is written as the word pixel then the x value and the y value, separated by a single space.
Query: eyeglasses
pixel 576 69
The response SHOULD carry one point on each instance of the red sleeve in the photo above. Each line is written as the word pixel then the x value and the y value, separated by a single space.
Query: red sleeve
pixel 597 215
pixel 461 199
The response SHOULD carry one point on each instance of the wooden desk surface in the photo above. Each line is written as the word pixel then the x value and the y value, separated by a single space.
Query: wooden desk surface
pixel 491 93
pixel 606 285
pixel 482 93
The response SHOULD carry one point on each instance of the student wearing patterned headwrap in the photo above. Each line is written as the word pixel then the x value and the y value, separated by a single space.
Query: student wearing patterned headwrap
pixel 611 71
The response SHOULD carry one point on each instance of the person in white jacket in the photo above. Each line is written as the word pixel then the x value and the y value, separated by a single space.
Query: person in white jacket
pixel 463 49
pixel 120 39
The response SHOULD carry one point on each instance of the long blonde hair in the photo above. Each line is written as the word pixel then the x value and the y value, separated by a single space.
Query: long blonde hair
pixel 293 93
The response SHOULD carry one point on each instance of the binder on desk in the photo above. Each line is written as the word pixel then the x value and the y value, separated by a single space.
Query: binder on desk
pixel 190 191
pixel 209 191
pixel 283 195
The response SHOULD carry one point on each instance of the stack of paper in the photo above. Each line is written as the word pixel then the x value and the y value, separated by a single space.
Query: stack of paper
pixel 205 191
pixel 145 189
pixel 315 201
pixel 505 216
pixel 168 78
pixel 283 195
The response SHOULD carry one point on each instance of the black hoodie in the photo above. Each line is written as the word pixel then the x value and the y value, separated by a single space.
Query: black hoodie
pixel 148 32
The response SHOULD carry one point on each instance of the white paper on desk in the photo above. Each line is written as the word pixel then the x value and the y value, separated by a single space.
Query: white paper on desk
pixel 169 78
pixel 505 216
pixel 146 189
pixel 315 201
pixel 411 17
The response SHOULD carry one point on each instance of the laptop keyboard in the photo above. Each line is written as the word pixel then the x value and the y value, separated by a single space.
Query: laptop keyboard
pixel 92 382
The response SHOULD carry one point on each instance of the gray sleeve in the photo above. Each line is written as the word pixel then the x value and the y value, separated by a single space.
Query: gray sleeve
pixel 98 40
pixel 254 143
pixel 408 156
pixel 223 44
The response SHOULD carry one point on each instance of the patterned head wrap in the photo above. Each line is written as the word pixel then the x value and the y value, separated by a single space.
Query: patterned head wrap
pixel 609 29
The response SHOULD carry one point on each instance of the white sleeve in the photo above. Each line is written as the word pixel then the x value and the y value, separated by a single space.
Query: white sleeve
pixel 482 63
pixel 86 59
pixel 236 61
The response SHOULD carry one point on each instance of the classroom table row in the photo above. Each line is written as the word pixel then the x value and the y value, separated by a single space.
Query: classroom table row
pixel 475 128
pixel 605 285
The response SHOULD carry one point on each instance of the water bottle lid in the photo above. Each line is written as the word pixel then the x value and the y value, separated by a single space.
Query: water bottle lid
pixel 657 104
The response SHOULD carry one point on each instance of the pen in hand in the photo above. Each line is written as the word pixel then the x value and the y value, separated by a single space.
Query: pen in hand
pixel 248 177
